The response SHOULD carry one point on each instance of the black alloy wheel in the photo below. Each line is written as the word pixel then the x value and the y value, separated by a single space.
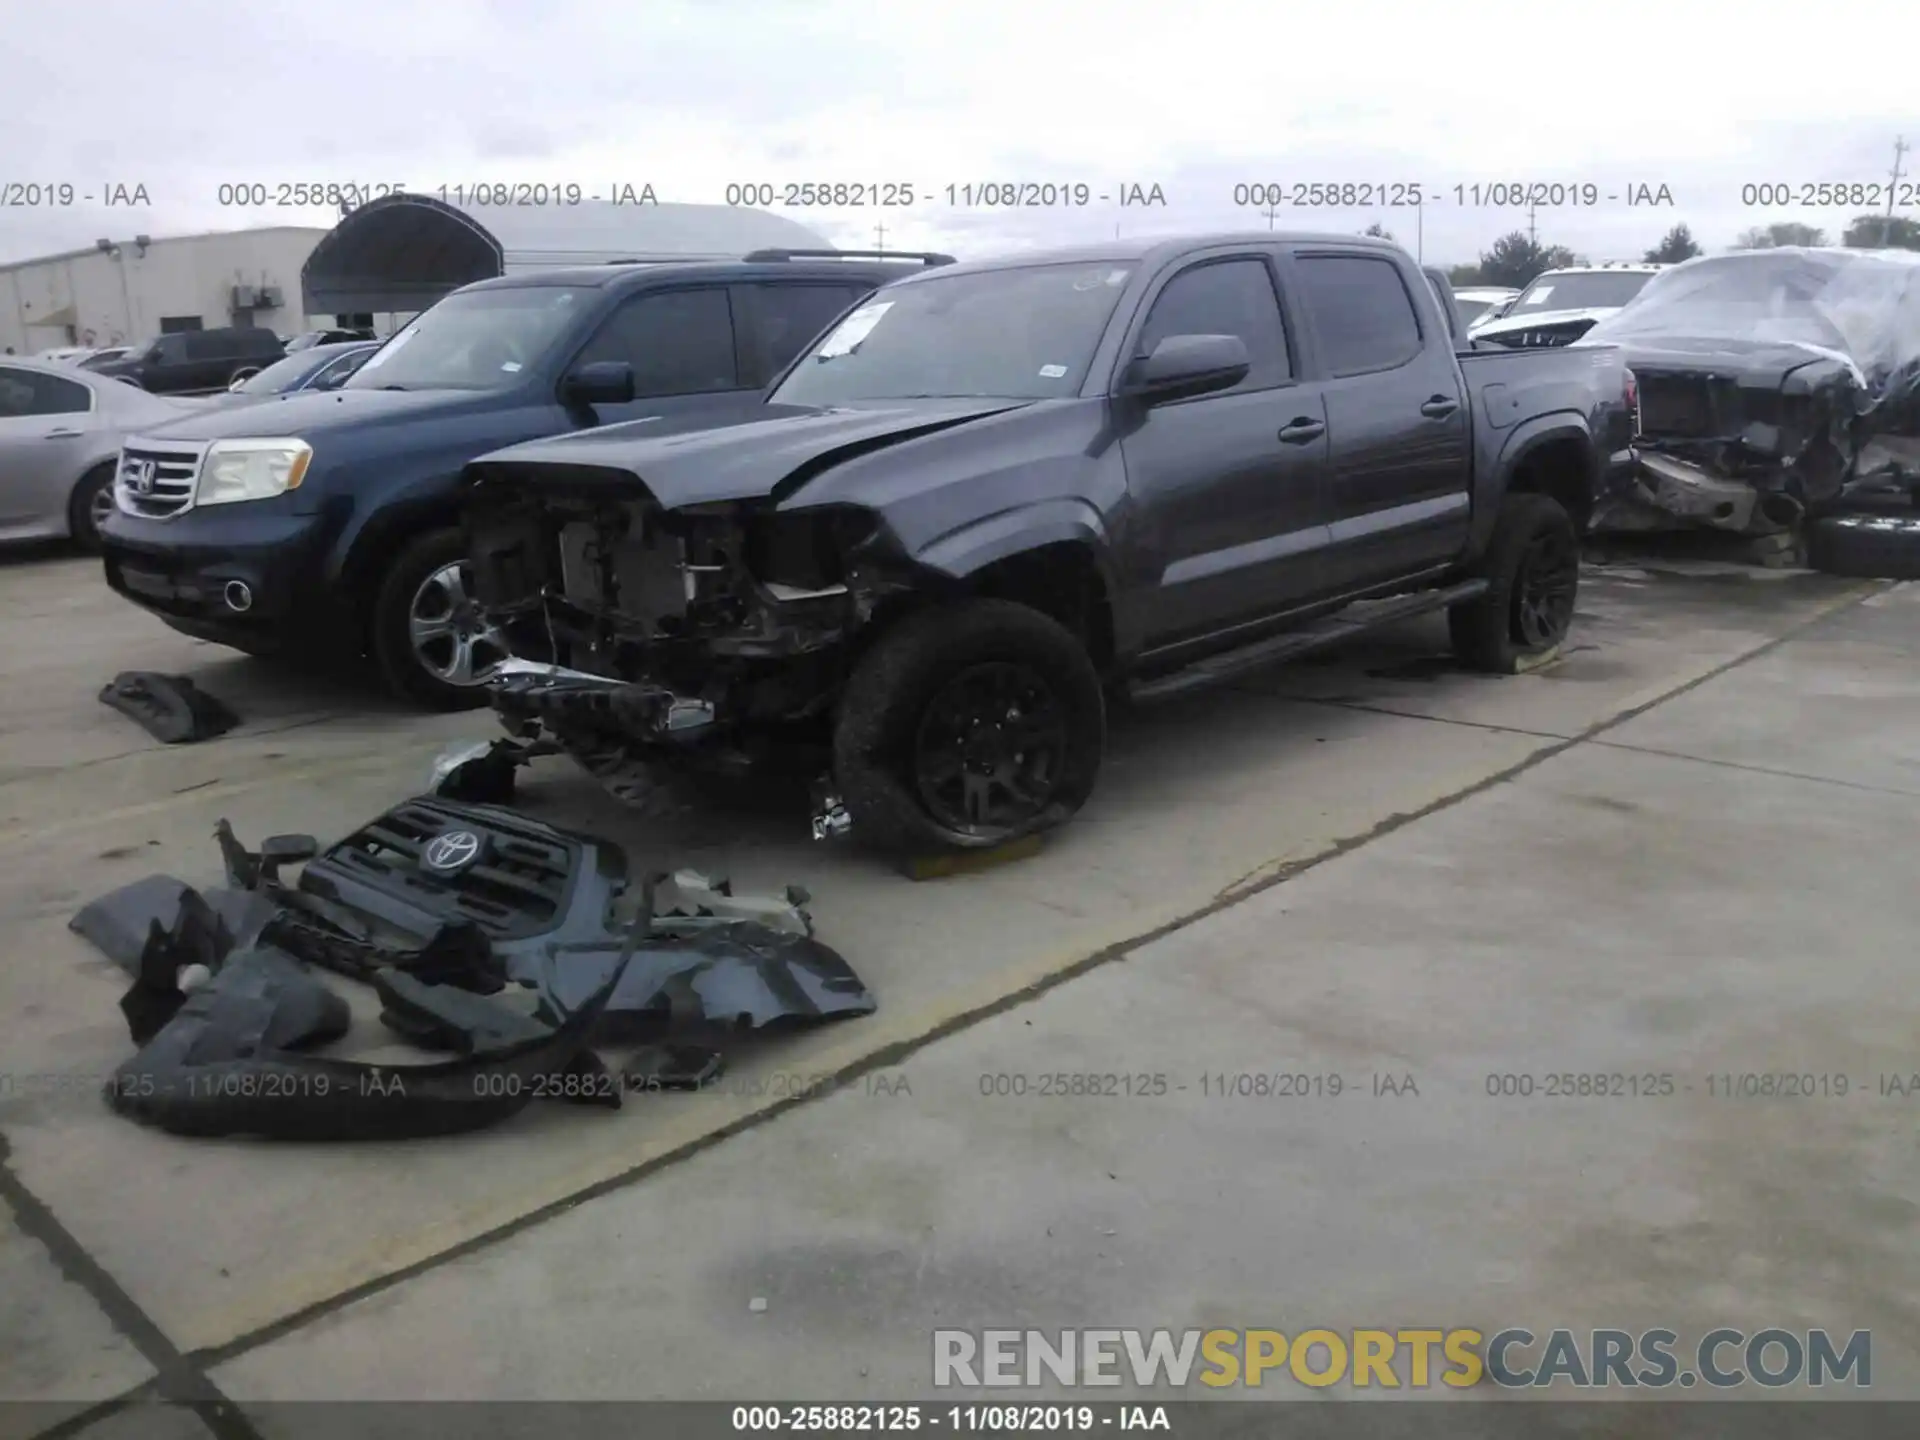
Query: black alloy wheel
pixel 1545 584
pixel 988 752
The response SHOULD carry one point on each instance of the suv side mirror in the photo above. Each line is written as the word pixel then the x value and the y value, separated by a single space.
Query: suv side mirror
pixel 1182 366
pixel 605 382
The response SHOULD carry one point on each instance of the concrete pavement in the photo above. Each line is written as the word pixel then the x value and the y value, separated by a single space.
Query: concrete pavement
pixel 1509 885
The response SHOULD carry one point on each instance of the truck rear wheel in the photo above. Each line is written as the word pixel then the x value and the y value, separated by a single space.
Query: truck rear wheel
pixel 1532 566
pixel 966 727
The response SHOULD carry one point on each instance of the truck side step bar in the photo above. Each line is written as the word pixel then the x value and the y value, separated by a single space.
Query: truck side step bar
pixel 1333 629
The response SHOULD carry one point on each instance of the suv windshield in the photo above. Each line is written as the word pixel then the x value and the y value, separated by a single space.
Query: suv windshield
pixel 480 340
pixel 1025 333
pixel 1579 290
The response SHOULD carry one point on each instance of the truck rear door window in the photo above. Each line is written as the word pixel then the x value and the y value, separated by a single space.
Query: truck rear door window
pixel 1225 297
pixel 1362 315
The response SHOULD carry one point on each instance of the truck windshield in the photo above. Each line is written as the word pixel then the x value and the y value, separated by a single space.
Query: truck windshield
pixel 480 340
pixel 1023 333
pixel 1579 290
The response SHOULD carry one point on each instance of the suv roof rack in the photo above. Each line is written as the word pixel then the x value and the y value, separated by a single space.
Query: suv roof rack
pixel 925 257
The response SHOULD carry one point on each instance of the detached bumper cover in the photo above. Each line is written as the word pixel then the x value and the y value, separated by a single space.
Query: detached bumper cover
pixel 438 906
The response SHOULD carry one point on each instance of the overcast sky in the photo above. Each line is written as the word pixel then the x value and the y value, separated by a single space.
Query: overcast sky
pixel 182 96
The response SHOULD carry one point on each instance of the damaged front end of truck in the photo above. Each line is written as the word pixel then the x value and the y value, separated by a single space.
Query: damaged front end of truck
pixel 694 637
pixel 1773 386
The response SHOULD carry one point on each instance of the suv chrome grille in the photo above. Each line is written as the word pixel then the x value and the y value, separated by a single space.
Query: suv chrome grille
pixel 155 481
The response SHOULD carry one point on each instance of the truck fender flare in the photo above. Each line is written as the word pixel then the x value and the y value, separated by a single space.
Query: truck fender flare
pixel 1526 438
pixel 965 552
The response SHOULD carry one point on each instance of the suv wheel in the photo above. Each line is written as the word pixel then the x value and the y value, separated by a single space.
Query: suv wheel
pixel 89 506
pixel 966 727
pixel 1532 565
pixel 430 641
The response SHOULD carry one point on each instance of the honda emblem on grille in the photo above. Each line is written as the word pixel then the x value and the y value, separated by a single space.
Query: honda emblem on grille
pixel 140 477
pixel 451 851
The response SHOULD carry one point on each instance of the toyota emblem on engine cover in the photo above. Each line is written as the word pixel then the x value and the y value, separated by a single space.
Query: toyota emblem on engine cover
pixel 450 852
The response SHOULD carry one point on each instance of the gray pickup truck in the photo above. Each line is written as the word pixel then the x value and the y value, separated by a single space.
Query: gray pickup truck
pixel 994 497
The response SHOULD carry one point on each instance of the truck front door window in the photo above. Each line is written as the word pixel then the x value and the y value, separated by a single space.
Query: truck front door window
pixel 1225 297
pixel 1362 315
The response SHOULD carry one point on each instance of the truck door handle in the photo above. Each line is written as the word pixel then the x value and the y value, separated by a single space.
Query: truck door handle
pixel 1301 431
pixel 1439 407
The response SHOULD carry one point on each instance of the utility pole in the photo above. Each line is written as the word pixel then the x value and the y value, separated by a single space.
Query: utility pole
pixel 1419 231
pixel 1532 237
pixel 1899 150
pixel 1271 212
pixel 880 236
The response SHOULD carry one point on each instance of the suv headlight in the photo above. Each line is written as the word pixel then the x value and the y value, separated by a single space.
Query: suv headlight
pixel 252 470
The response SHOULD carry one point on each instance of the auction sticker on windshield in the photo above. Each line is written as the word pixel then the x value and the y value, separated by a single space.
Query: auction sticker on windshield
pixel 1537 296
pixel 855 328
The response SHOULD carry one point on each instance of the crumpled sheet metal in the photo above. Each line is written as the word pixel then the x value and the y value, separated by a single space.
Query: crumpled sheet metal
pixel 1817 353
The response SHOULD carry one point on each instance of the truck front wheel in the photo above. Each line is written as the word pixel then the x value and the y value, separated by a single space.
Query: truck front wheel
pixel 968 726
pixel 1532 567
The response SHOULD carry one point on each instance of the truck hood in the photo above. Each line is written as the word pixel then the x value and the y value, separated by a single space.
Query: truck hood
pixel 308 415
pixel 771 453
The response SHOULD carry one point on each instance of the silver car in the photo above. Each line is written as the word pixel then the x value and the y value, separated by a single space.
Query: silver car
pixel 60 432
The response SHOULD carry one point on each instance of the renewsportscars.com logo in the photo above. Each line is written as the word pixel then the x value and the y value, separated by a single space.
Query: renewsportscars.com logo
pixel 1414 1359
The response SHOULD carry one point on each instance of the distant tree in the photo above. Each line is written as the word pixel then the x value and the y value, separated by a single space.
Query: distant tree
pixel 1559 257
pixel 1882 232
pixel 1513 261
pixel 1677 245
pixel 1786 232
pixel 1460 275
pixel 1378 232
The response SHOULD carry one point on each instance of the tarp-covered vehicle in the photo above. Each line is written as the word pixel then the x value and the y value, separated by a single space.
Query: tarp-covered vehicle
pixel 1776 387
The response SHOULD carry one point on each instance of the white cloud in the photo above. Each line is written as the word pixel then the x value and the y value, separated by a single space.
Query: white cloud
pixel 1196 97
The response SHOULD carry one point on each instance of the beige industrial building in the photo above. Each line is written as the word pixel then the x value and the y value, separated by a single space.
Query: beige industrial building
pixel 127 290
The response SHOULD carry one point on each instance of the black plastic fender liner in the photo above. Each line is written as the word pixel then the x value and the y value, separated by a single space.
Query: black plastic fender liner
pixel 171 708
pixel 118 924
pixel 728 974
pixel 214 1071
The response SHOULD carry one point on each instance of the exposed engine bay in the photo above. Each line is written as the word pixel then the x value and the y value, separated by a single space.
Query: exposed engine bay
pixel 1773 385
pixel 641 631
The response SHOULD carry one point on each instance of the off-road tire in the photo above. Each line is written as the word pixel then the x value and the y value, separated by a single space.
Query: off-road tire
pixel 80 527
pixel 1486 631
pixel 392 646
pixel 896 680
pixel 1866 546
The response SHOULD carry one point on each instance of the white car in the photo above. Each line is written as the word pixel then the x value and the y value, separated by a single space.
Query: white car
pixel 1562 305
pixel 65 355
pixel 60 431
pixel 1481 303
